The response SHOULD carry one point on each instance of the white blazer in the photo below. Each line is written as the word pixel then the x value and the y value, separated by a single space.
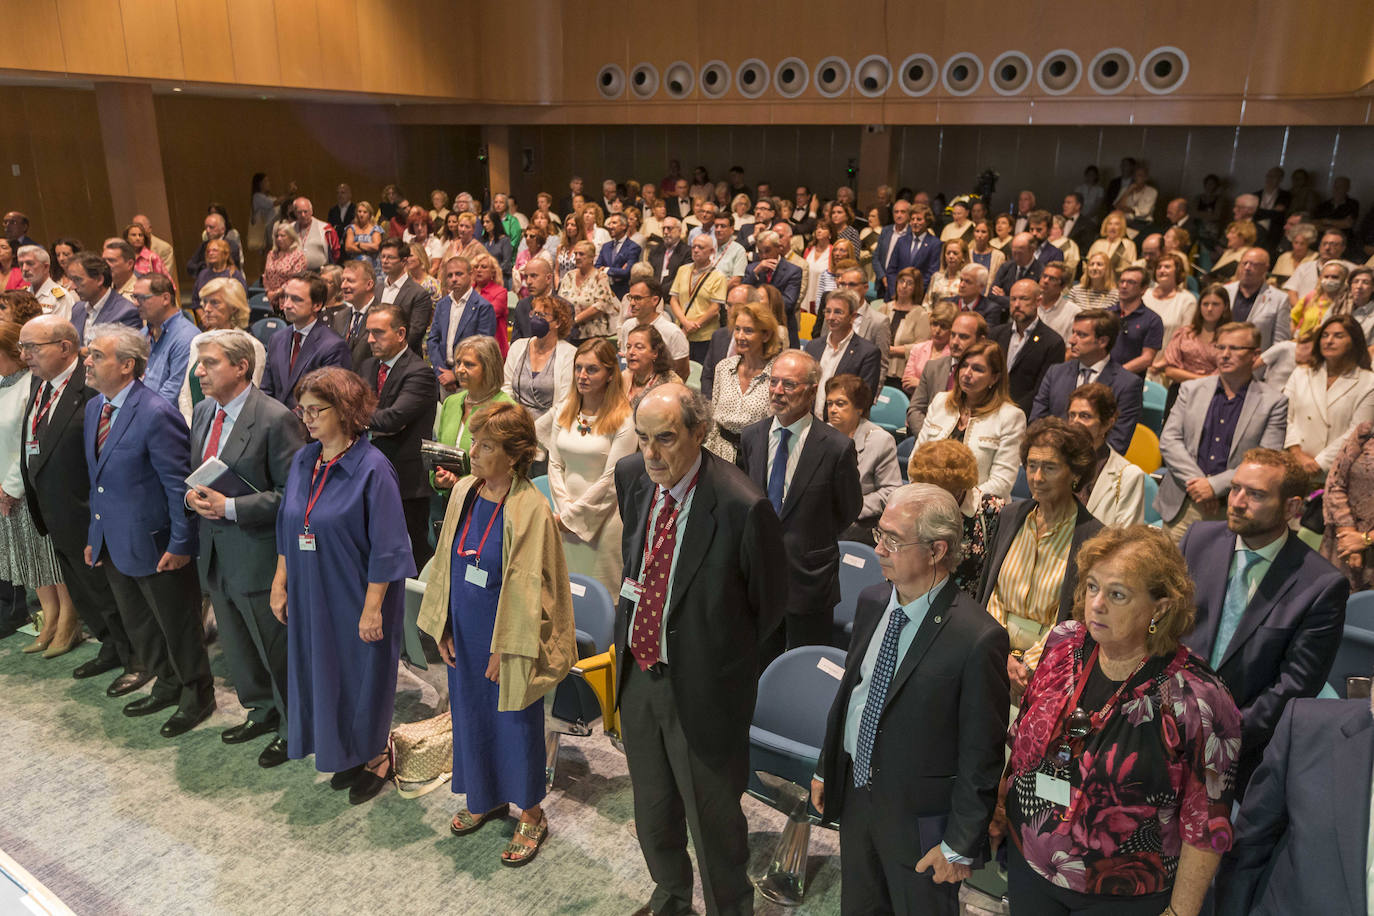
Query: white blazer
pixel 563 355
pixel 994 439
pixel 1118 497
pixel 13 400
pixel 1320 418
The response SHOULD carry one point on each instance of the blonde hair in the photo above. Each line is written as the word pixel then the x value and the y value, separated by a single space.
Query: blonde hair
pixel 234 295
pixel 488 354
pixel 1159 567
pixel 764 320
pixel 615 407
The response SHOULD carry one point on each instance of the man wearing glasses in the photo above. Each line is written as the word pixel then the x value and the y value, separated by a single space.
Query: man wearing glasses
pixel 869 323
pixel 1215 421
pixel 646 298
pixel 169 335
pixel 914 740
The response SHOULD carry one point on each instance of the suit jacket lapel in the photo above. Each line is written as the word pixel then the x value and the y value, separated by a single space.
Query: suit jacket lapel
pixel 1275 584
pixel 233 447
pixel 935 621
pixel 1005 534
pixel 698 535
pixel 1339 389
pixel 59 415
pixel 1351 758
pixel 123 417
pixel 1248 409
pixel 308 348
pixel 644 492
pixel 807 463
pixel 1212 591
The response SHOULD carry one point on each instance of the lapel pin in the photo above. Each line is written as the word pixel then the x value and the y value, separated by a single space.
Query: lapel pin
pixel 938 619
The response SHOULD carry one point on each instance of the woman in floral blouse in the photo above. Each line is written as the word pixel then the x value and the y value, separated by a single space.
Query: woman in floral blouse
pixel 1118 794
pixel 596 311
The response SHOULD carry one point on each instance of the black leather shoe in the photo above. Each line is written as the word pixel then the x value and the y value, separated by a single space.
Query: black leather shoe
pixel 183 720
pixel 367 785
pixel 274 755
pixel 128 682
pixel 146 706
pixel 247 731
pixel 10 625
pixel 344 778
pixel 93 667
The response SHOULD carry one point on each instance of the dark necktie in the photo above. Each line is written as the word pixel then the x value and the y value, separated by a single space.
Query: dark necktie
pixel 648 623
pixel 297 338
pixel 883 670
pixel 212 443
pixel 777 478
pixel 354 326
pixel 102 429
pixel 40 419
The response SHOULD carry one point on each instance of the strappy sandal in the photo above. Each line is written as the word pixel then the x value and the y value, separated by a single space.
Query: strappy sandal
pixel 518 854
pixel 465 822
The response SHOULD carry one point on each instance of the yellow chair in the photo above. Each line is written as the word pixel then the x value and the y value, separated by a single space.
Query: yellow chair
pixel 1144 450
pixel 806 322
pixel 599 673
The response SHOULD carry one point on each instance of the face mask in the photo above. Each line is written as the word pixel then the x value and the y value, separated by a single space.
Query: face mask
pixel 539 325
pixel 1331 286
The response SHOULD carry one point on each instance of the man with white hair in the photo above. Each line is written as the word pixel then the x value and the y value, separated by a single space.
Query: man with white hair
pixel 319 241
pixel 36 266
pixel 973 279
pixel 215 228
pixel 907 839
pixel 1244 207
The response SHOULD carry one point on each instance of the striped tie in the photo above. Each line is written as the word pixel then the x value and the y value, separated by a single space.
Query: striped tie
pixel 102 429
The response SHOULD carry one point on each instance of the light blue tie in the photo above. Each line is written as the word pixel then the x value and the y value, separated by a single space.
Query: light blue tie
pixel 883 670
pixel 777 478
pixel 1233 605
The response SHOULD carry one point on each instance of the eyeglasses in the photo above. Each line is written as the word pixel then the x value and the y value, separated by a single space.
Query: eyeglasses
pixel 889 542
pixel 785 384
pixel 310 413
pixel 30 347
pixel 1223 348
pixel 842 285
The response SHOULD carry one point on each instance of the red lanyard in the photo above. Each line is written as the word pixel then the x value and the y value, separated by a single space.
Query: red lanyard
pixel 669 523
pixel 324 478
pixel 44 407
pixel 462 538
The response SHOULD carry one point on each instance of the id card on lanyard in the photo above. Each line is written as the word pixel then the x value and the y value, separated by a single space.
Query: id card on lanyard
pixel 306 540
pixel 633 589
pixel 31 440
pixel 473 572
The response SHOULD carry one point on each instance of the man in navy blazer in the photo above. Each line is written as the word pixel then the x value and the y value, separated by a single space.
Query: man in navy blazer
pixel 398 289
pixel 1030 346
pixel 1090 344
pixel 924 246
pixel 893 251
pixel 308 344
pixel 1284 641
pixel 138 454
pixel 618 255
pixel 856 355
pixel 1021 266
pixel 99 304
pixel 775 270
pixel 816 494
pixel 475 315
pixel 1303 828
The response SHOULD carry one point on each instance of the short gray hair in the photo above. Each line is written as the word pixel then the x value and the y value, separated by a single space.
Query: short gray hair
pixel 768 238
pixel 129 344
pixel 977 272
pixel 695 407
pixel 236 345
pixel 934 515
pixel 848 297
pixel 813 368
pixel 40 253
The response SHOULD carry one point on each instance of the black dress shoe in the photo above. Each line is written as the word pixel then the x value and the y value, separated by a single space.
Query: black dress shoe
pixel 344 778
pixel 93 667
pixel 10 625
pixel 146 706
pixel 247 731
pixel 128 682
pixel 183 720
pixel 274 755
pixel 367 785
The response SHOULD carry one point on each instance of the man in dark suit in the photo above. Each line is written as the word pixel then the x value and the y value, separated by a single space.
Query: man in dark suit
pixel 939 373
pixel 775 270
pixel 1302 832
pixel 704 577
pixel 665 259
pixel 539 280
pixel 925 245
pixel 1030 346
pixel 357 286
pixel 810 471
pixel 342 213
pixel 459 315
pixel 99 303
pixel 1090 346
pixel 399 290
pixel 407 394
pixel 1270 610
pixel 57 489
pixel 1022 265
pixel 618 255
pixel 1272 211
pixel 893 251
pixel 1078 226
pixel 256 438
pixel 841 350
pixel 138 455
pixel 308 344
pixel 915 738
pixel 680 204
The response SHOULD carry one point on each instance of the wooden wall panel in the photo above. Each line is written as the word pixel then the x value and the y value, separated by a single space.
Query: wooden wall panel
pixel 253 39
pixel 152 38
pixel 93 37
pixel 298 45
pixel 341 48
pixel 207 52
pixel 40 47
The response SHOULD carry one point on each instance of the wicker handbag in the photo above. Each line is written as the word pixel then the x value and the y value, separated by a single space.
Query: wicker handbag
pixel 422 755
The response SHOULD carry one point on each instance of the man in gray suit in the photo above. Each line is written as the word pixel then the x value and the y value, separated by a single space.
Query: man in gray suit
pixel 938 375
pixel 1256 302
pixel 1215 421
pixel 256 437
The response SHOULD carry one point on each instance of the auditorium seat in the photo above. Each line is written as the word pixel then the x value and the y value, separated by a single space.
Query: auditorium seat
pixel 264 328
pixel 694 375
pixel 1359 610
pixel 542 482
pixel 1144 450
pixel 1021 488
pixel 585 695
pixel 1152 402
pixel 889 409
pixel 858 570
pixel 806 323
pixel 1151 488
pixel 1354 657
pixel 904 450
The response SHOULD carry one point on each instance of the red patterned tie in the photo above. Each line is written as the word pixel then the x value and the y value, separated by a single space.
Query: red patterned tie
pixel 648 622
pixel 102 429
pixel 382 372
pixel 296 338
pixel 212 444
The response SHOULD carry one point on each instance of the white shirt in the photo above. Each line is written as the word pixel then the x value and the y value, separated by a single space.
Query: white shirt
pixel 1093 371
pixel 1018 340
pixel 56 386
pixel 731 258
pixel 93 316
pixel 55 299
pixel 231 415
pixel 672 335
pixel 684 496
pixel 455 317
pixel 794 448
pixel 1306 275
pixel 1060 316
pixel 393 288
pixel 830 359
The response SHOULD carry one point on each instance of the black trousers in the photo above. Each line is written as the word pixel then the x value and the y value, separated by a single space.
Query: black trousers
pixel 1031 895
pixel 877 879
pixel 815 629
pixel 417 527
pixel 674 791
pixel 95 605
pixel 14 602
pixel 161 613
pixel 254 647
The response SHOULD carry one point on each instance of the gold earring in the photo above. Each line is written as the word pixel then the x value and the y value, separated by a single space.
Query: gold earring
pixel 1153 628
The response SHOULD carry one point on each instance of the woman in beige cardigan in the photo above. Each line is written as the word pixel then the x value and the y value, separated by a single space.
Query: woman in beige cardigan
pixel 501 611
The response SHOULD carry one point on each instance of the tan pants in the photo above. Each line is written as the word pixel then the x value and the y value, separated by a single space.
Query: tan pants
pixel 1189 514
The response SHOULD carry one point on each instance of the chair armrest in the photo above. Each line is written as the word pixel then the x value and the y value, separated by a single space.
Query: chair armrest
pixel 598 671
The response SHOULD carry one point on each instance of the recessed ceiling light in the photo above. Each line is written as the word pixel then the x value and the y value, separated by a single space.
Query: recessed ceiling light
pixel 176 88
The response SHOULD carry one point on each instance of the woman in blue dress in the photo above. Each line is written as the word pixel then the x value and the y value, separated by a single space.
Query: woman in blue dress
pixel 499 606
pixel 343 556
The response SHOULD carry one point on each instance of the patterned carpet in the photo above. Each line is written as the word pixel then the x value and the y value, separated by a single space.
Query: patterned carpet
pixel 115 819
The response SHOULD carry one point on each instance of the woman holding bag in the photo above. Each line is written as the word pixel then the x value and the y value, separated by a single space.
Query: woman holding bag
pixel 500 609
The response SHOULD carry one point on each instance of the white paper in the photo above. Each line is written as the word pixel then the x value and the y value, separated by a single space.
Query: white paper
pixel 830 668
pixel 578 589
pixel 850 559
pixel 883 399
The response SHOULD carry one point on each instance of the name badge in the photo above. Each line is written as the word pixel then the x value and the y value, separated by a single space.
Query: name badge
pixel 476 575
pixel 31 449
pixel 632 591
pixel 1052 789
pixel 306 542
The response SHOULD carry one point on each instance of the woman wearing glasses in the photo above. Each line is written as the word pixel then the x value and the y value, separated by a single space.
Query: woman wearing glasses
pixel 342 558
pixel 1118 795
